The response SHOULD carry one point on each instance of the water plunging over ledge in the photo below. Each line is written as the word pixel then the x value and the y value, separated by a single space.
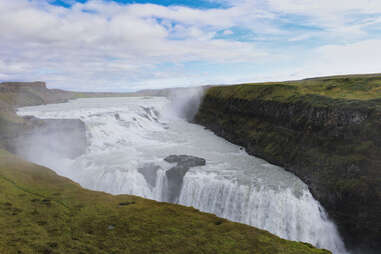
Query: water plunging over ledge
pixel 128 139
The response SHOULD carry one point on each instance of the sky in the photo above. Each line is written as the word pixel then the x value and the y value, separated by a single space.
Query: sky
pixel 110 45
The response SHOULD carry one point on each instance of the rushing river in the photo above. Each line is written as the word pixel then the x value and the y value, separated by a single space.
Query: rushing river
pixel 127 134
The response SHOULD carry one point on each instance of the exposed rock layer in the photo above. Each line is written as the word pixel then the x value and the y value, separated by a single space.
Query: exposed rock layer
pixel 19 94
pixel 333 145
pixel 176 174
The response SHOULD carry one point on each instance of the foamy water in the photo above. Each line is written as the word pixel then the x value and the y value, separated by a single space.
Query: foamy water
pixel 125 134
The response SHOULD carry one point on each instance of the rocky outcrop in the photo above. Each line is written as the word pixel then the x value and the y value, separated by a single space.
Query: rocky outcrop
pixel 23 135
pixel 19 94
pixel 17 86
pixel 333 145
pixel 176 174
pixel 149 171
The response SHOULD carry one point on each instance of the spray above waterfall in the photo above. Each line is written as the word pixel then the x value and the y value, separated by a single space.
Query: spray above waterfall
pixel 129 139
pixel 186 101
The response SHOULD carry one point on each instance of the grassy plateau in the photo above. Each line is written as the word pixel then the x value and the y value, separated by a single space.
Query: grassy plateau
pixel 325 130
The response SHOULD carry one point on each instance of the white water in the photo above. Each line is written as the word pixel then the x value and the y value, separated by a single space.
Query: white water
pixel 232 185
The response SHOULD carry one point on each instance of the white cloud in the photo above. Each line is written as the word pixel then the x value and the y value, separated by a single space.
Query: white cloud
pixel 228 32
pixel 318 7
pixel 359 57
pixel 42 39
pixel 105 45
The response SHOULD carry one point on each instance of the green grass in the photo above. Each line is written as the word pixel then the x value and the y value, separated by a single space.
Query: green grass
pixel 356 87
pixel 41 212
pixel 325 130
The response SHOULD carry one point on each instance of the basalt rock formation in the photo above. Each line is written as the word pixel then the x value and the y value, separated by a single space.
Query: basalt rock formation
pixel 176 174
pixel 326 131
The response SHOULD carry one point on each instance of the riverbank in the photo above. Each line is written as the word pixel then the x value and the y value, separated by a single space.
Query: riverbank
pixel 326 131
pixel 41 212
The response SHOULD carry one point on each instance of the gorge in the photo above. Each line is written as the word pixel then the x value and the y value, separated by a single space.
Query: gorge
pixel 325 131
pixel 127 136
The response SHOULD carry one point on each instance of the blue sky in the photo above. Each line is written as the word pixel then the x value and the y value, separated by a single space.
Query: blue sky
pixel 106 45
pixel 189 3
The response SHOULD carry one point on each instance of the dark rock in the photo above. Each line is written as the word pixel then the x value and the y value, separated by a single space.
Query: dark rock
pixel 185 160
pixel 127 203
pixel 46 202
pixel 333 145
pixel 219 222
pixel 176 174
pixel 149 171
pixel 53 244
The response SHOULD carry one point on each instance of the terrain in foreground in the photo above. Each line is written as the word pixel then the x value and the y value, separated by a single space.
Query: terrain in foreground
pixel 41 212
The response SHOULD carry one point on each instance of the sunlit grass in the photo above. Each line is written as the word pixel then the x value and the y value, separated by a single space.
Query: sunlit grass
pixel 360 87
pixel 41 212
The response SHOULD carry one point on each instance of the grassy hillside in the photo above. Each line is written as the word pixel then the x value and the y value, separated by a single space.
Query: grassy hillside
pixel 41 212
pixel 355 87
pixel 325 130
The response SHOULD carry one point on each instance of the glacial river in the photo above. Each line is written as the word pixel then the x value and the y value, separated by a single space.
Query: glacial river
pixel 127 134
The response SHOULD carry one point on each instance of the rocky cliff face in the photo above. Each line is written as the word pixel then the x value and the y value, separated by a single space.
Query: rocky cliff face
pixel 25 135
pixel 17 86
pixel 333 145
pixel 20 94
pixel 175 175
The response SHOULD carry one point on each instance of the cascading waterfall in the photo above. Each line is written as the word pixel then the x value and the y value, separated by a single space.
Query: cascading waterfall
pixel 128 139
pixel 294 217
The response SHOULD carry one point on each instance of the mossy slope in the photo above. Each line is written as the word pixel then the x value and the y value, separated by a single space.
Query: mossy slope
pixel 327 131
pixel 41 212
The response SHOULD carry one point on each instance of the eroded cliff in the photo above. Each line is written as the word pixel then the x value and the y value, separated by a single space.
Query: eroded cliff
pixel 327 131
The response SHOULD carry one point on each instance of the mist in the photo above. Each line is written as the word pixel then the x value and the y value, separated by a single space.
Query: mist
pixel 185 102
pixel 49 142
pixel 129 141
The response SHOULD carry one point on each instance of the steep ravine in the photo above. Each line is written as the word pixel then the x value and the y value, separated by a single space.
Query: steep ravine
pixel 131 148
pixel 41 212
pixel 332 144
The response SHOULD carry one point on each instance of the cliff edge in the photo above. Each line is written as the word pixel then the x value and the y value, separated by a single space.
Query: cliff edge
pixel 326 130
pixel 41 212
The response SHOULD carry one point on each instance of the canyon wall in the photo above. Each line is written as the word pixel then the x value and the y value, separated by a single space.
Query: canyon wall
pixel 312 129
pixel 25 135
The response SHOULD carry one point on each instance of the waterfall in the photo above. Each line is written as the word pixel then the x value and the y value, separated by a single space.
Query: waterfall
pixel 128 139
pixel 289 215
